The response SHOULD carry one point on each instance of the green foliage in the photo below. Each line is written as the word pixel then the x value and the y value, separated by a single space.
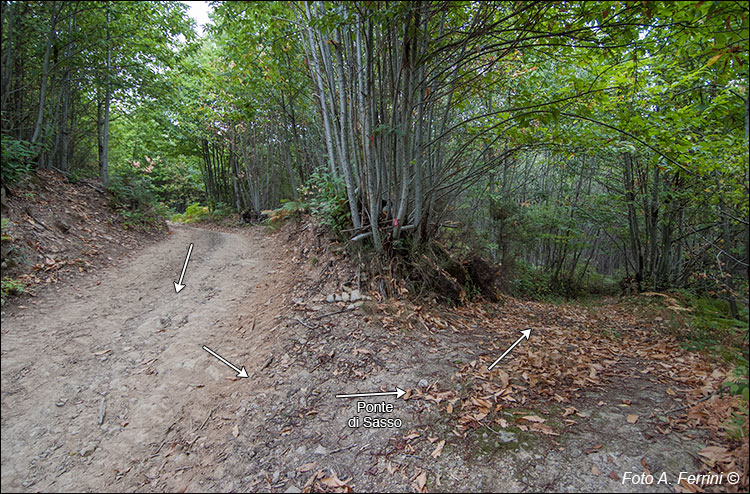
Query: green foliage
pixel 4 225
pixel 10 286
pixel 289 209
pixel 195 213
pixel 16 159
pixel 531 282
pixel 711 327
pixel 133 197
pixel 737 426
pixel 326 197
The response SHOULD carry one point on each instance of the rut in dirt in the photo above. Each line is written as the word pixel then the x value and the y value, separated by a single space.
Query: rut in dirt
pixel 95 374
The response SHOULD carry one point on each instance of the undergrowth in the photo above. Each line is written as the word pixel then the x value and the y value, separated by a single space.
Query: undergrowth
pixel 196 213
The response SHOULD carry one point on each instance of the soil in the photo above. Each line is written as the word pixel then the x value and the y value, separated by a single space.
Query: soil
pixel 106 386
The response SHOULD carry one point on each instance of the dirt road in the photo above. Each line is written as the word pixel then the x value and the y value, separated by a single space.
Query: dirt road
pixel 122 348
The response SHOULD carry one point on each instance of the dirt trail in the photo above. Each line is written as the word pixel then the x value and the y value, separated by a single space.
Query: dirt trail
pixel 126 345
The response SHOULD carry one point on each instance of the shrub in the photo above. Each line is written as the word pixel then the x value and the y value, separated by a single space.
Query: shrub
pixel 10 287
pixel 193 213
pixel 132 196
pixel 16 160
pixel 326 197
pixel 288 210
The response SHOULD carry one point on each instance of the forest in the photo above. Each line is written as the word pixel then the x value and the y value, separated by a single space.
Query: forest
pixel 459 152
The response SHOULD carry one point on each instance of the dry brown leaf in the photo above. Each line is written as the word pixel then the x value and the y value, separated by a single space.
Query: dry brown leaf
pixel 543 428
pixel 334 482
pixel 534 418
pixel 307 467
pixel 613 475
pixel 645 467
pixel 569 411
pixel 421 481
pixel 690 487
pixel 632 418
pixel 593 449
pixel 439 449
pixel 595 470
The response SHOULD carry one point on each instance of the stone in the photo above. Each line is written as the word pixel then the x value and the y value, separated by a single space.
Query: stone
pixel 423 383
pixel 506 437
pixel 337 298
pixel 320 450
pixel 345 297
pixel 88 449
pixel 354 296
pixel 292 488
pixel 302 450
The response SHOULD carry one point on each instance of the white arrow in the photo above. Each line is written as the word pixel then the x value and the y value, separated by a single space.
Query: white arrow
pixel 178 285
pixel 240 372
pixel 526 334
pixel 399 393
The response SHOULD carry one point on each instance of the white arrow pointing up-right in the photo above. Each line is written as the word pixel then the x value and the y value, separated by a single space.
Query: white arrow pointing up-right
pixel 526 333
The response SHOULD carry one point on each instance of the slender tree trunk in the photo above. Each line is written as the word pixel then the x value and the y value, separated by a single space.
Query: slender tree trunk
pixel 45 77
pixel 104 163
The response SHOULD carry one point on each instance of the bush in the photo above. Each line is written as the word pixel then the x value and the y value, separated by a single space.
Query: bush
pixel 17 158
pixel 326 197
pixel 530 281
pixel 132 196
pixel 288 210
pixel 10 287
pixel 193 213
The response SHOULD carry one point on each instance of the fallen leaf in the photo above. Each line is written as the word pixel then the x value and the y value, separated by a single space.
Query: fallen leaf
pixel 632 418
pixel 533 418
pixel 439 449
pixel 421 480
pixel 613 475
pixel 307 467
pixel 236 430
pixel 593 449
pixel 545 429
pixel 595 470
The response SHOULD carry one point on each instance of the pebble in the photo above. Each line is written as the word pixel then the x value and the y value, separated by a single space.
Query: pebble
pixel 302 450
pixel 330 298
pixel 320 450
pixel 423 383
pixel 506 437
pixel 354 296
pixel 292 488
pixel 88 449
pixel 275 476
